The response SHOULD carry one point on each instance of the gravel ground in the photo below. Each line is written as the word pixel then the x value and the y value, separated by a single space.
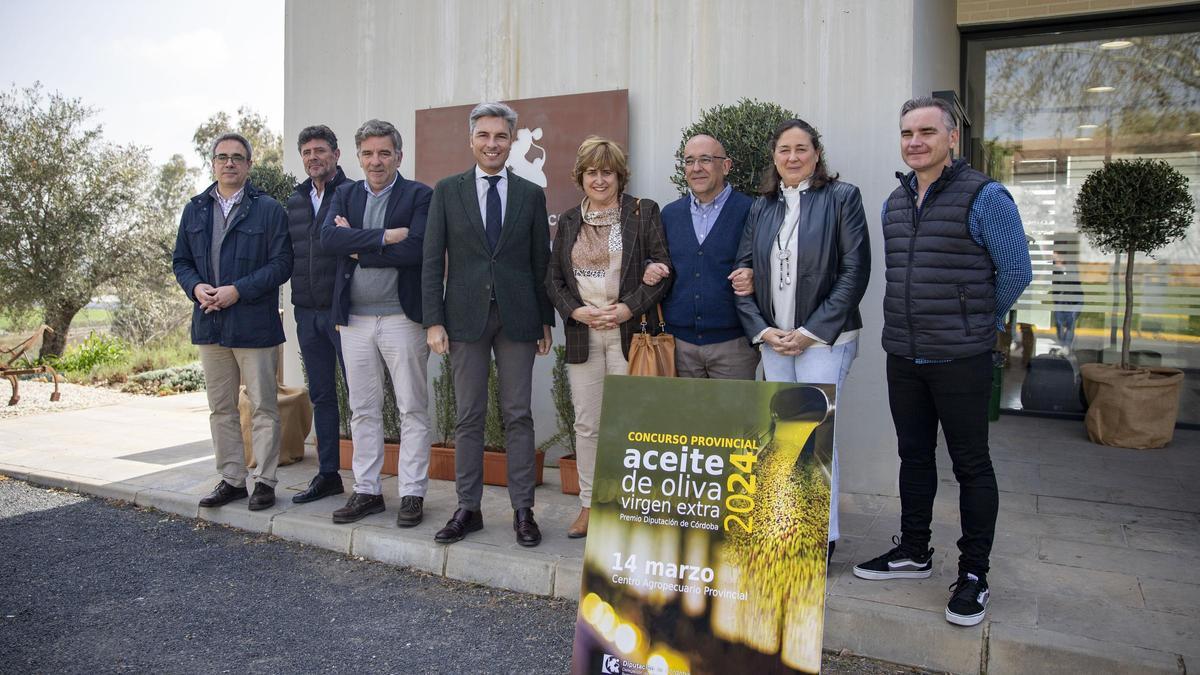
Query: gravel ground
pixel 88 586
pixel 35 398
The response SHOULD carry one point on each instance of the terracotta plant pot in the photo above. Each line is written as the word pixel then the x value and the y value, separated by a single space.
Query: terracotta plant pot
pixel 391 457
pixel 1133 408
pixel 568 473
pixel 495 467
pixel 441 461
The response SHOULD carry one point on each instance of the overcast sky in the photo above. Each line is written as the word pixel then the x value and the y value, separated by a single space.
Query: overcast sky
pixel 154 70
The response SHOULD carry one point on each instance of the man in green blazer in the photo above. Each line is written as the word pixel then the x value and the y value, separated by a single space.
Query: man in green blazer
pixel 487 244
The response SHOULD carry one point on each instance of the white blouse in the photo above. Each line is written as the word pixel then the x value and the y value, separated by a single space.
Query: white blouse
pixel 783 296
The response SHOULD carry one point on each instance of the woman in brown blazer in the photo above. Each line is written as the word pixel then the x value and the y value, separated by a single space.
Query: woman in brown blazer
pixel 595 282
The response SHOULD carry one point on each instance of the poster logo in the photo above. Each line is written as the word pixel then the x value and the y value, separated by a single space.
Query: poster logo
pixel 610 665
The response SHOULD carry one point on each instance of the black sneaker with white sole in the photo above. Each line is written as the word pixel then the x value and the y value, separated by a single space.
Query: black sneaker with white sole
pixel 968 600
pixel 898 563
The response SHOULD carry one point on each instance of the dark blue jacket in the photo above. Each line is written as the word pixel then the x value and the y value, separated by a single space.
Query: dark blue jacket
pixel 256 258
pixel 408 206
pixel 701 307
pixel 314 269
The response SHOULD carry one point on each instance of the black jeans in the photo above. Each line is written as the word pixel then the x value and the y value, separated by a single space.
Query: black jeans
pixel 956 395
pixel 321 351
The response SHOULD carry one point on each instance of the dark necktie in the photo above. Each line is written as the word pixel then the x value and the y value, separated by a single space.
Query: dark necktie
pixel 491 226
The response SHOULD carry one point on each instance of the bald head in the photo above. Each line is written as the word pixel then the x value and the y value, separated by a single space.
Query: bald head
pixel 705 167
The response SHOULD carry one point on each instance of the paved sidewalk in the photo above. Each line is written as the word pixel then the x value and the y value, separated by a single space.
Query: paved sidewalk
pixel 1093 568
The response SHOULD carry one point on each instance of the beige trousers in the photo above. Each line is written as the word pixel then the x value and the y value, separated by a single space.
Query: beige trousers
pixel 225 369
pixel 587 391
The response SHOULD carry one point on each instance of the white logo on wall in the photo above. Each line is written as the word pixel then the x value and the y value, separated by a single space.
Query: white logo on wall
pixel 610 665
pixel 522 166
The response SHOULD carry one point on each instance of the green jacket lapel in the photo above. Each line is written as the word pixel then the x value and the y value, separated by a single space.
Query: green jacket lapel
pixel 518 191
pixel 470 204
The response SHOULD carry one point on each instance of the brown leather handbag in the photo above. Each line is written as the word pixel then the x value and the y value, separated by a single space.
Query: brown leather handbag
pixel 652 355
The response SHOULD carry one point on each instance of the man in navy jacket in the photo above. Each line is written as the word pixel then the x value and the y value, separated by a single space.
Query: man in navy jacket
pixel 377 225
pixel 703 230
pixel 232 253
pixel 312 297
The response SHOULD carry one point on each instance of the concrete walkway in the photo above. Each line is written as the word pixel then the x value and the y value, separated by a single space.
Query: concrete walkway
pixel 1094 567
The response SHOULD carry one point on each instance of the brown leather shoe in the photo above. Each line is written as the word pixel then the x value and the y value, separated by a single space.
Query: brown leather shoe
pixel 459 525
pixel 578 528
pixel 359 506
pixel 526 527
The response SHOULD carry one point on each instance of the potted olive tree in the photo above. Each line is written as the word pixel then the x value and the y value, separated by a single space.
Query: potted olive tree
pixel 743 128
pixel 495 458
pixel 1126 207
pixel 564 409
pixel 445 415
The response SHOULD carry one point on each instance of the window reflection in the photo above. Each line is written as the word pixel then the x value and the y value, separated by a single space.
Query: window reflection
pixel 1053 109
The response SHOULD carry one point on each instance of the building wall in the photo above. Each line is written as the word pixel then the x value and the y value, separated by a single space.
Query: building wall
pixel 845 66
pixel 998 11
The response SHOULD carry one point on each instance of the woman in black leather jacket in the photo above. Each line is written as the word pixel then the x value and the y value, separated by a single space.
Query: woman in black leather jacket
pixel 806 241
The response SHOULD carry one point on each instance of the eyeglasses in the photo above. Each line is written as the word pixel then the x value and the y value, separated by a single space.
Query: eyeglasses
pixel 702 160
pixel 225 159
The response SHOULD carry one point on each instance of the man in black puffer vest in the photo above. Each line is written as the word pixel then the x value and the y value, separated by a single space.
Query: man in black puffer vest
pixel 312 294
pixel 957 260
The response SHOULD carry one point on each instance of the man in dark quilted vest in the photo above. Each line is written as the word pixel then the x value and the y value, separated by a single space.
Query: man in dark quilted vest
pixel 312 295
pixel 957 260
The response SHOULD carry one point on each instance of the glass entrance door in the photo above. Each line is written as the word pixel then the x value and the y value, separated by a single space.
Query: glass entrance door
pixel 1048 109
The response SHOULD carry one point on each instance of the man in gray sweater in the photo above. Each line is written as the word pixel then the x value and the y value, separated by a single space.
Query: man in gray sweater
pixel 377 226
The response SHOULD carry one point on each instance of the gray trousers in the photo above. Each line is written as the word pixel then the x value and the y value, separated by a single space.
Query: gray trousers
pixel 514 364
pixel 730 360
pixel 224 370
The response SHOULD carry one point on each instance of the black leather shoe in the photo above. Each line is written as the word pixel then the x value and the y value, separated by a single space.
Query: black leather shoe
pixel 222 495
pixel 358 507
pixel 263 497
pixel 411 511
pixel 459 525
pixel 526 527
pixel 319 487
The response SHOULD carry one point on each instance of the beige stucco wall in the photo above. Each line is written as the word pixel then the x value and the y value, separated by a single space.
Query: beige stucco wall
pixel 996 11
pixel 845 66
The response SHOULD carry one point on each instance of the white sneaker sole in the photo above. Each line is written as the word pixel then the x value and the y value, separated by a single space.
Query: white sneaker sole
pixel 960 620
pixel 877 576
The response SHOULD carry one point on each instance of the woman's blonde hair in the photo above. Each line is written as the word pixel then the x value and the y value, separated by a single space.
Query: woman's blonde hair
pixel 601 153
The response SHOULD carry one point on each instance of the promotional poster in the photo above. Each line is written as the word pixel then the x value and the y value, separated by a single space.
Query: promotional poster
pixel 706 549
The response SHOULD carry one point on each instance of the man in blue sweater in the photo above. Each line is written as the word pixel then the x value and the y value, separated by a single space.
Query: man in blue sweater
pixel 703 229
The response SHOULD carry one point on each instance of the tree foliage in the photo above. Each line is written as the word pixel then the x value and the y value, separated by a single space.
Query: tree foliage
pixel 1129 206
pixel 71 208
pixel 743 128
pixel 273 180
pixel 265 144
pixel 151 304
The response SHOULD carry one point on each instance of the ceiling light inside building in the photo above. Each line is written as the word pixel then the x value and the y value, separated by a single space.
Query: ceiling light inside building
pixel 1089 126
pixel 1116 44
pixel 1100 89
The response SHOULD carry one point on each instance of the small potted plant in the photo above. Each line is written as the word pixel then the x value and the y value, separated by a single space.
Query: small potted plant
pixel 1125 207
pixel 391 426
pixel 445 413
pixel 565 410
pixel 495 459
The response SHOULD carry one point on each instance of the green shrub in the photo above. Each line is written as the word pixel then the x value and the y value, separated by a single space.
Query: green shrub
pixel 493 423
pixel 175 380
pixel 445 408
pixel 272 180
pixel 743 128
pixel 564 408
pixel 97 349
